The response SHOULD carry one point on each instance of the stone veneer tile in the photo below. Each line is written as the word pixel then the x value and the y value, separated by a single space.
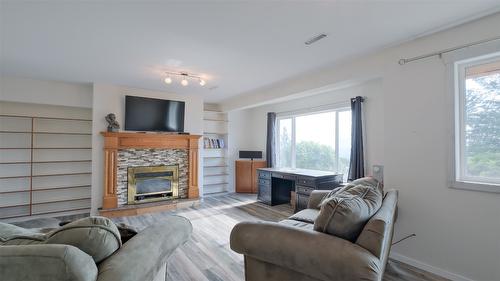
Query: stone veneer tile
pixel 150 157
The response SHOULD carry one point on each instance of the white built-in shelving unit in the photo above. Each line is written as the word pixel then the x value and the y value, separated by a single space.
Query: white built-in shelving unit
pixel 215 141
pixel 45 164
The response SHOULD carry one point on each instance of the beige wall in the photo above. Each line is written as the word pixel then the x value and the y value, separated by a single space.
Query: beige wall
pixel 17 89
pixel 457 231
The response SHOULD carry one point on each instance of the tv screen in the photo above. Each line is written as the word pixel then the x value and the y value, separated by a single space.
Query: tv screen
pixel 147 114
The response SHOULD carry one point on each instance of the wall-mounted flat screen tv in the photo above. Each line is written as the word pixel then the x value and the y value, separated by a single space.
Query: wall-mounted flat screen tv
pixel 147 114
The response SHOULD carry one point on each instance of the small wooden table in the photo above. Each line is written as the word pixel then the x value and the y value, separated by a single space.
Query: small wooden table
pixel 275 185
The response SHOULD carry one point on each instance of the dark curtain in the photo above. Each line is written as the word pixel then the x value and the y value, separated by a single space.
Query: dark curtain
pixel 271 140
pixel 357 163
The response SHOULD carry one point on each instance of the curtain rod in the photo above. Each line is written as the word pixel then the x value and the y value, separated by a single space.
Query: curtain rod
pixel 440 53
pixel 342 104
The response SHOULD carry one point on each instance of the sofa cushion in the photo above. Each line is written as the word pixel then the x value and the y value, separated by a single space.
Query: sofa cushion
pixel 15 235
pixel 345 213
pixel 306 215
pixel 367 181
pixel 299 224
pixel 96 236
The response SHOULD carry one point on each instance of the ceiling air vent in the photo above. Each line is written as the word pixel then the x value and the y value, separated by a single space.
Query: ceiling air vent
pixel 315 39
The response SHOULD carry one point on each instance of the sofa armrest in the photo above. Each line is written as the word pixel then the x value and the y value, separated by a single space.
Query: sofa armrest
pixel 316 197
pixel 312 253
pixel 143 256
pixel 45 263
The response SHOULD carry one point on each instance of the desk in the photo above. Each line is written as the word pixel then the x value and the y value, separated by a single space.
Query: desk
pixel 275 185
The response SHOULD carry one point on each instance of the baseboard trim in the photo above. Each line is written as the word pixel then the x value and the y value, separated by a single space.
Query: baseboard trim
pixel 429 268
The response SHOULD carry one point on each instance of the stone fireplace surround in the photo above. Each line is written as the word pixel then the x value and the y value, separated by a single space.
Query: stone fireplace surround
pixel 133 157
pixel 124 148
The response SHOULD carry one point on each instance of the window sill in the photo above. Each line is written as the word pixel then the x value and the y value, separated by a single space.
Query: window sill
pixel 473 186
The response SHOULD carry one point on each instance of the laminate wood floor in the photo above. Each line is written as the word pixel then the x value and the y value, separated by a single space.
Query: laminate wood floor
pixel 207 255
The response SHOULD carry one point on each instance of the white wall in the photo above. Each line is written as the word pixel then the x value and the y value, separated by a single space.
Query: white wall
pixel 111 99
pixel 457 231
pixel 26 90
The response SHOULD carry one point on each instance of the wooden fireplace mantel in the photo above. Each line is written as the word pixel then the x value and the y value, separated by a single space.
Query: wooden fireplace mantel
pixel 122 140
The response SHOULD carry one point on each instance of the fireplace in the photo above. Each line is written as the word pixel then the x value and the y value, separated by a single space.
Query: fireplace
pixel 152 183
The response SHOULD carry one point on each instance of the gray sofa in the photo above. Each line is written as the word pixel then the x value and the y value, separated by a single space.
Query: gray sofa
pixel 292 250
pixel 143 257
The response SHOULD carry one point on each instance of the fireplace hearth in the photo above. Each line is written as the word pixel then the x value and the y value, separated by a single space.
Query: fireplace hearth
pixel 152 183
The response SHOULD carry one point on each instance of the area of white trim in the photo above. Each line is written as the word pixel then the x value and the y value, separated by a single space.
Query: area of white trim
pixel 429 268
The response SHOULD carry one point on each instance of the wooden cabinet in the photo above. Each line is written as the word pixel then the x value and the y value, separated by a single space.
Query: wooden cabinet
pixel 246 175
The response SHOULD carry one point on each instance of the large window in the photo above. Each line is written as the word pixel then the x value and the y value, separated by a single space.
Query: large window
pixel 319 140
pixel 477 123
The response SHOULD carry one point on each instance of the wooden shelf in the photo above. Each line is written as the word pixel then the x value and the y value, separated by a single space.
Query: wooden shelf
pixel 15 191
pixel 62 161
pixel 47 175
pixel 14 177
pixel 212 184
pixel 59 187
pixel 216 120
pixel 211 133
pixel 59 201
pixel 216 127
pixel 13 206
pixel 216 166
pixel 214 157
pixel 67 174
pixel 56 128
pixel 216 175
pixel 44 189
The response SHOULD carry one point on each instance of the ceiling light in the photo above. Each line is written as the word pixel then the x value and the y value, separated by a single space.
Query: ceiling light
pixel 184 78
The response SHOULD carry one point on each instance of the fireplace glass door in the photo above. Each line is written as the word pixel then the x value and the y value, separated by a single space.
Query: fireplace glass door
pixel 146 184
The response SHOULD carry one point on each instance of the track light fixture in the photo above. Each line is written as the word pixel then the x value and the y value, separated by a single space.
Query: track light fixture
pixel 184 78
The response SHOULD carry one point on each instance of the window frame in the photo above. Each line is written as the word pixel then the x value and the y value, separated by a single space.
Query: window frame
pixel 459 179
pixel 337 108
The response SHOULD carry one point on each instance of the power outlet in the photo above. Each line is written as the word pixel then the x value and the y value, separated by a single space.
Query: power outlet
pixel 378 172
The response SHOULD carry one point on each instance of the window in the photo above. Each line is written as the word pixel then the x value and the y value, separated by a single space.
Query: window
pixel 477 123
pixel 318 141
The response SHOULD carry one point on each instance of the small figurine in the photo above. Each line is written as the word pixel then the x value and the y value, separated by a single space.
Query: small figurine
pixel 113 125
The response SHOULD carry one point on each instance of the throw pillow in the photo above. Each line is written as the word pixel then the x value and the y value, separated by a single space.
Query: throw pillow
pixel 345 213
pixel 97 236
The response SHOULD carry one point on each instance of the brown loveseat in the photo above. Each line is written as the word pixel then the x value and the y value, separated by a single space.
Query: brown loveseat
pixel 291 250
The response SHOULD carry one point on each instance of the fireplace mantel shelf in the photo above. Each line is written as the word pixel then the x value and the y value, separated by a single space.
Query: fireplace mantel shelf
pixel 113 141
pixel 120 140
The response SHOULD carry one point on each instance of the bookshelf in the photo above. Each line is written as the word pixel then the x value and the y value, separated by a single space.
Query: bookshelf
pixel 45 165
pixel 215 162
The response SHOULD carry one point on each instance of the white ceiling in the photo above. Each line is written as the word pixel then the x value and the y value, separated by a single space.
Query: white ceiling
pixel 238 46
